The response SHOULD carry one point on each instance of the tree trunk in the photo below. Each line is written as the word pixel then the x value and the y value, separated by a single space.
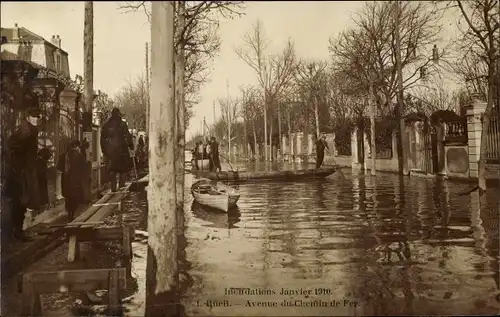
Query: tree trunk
pixel 161 271
pixel 402 162
pixel 180 112
pixel 372 129
pixel 290 155
pixel 265 126
pixel 485 127
pixel 316 116
pixel 228 131
pixel 245 139
pixel 279 129
pixel 271 158
pixel 254 141
pixel 305 139
pixel 88 73
pixel 147 88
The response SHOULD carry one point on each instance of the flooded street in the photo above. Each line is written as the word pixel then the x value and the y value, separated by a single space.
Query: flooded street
pixel 354 246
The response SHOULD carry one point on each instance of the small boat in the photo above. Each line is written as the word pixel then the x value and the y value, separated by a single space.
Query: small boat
pixel 242 176
pixel 218 196
pixel 202 164
pixel 214 218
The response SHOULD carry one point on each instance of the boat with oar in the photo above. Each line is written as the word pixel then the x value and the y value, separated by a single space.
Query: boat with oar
pixel 290 175
pixel 214 195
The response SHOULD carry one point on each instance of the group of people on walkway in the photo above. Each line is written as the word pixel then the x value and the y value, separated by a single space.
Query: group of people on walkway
pixel 208 150
pixel 27 167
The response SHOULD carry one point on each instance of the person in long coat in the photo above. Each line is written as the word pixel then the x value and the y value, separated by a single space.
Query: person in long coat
pixel 321 145
pixel 44 156
pixel 71 164
pixel 214 152
pixel 22 183
pixel 116 144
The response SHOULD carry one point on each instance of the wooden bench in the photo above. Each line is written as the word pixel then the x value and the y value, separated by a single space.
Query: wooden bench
pixel 38 283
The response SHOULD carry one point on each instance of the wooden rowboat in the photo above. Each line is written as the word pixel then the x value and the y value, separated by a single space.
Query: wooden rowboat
pixel 218 196
pixel 242 176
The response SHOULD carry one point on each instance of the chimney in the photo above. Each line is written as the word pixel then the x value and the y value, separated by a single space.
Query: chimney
pixel 15 32
pixel 58 41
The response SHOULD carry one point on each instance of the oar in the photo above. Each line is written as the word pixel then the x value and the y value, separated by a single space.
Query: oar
pixel 230 166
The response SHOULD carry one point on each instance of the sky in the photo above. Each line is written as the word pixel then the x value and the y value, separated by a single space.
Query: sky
pixel 120 37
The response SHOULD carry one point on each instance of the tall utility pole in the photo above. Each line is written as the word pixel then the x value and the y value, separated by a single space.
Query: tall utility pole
pixel 161 270
pixel 228 121
pixel 88 77
pixel 402 164
pixel 147 89
pixel 215 122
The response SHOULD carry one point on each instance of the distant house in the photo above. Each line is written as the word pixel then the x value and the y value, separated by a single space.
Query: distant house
pixel 22 44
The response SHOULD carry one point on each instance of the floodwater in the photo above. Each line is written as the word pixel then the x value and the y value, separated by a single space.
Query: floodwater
pixel 358 245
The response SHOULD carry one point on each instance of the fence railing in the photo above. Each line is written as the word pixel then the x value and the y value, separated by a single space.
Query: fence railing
pixel 456 131
pixel 384 153
pixel 492 154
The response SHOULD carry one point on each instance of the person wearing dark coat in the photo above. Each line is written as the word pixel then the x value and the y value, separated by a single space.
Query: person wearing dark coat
pixel 22 183
pixel 116 144
pixel 71 164
pixel 214 153
pixel 42 164
pixel 321 144
pixel 141 151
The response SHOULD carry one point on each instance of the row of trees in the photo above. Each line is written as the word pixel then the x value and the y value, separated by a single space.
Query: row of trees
pixel 299 94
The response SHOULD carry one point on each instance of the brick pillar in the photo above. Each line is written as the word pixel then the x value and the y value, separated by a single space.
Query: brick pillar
pixel 474 130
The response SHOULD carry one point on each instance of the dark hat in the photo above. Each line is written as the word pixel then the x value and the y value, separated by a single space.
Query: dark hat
pixel 34 112
pixel 116 112
pixel 74 144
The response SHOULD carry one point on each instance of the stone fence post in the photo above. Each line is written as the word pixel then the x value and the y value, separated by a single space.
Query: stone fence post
pixel 474 130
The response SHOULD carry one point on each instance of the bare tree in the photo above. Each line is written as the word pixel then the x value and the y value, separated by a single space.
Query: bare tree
pixel 251 110
pixel 481 38
pixel 230 110
pixel 310 76
pixel 369 49
pixel 198 38
pixel 274 72
pixel 132 101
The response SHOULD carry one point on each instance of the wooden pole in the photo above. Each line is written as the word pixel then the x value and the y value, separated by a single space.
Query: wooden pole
pixel 88 71
pixel 161 271
pixel 148 102
pixel 402 163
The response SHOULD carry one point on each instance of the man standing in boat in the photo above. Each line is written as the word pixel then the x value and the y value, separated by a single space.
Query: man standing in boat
pixel 214 154
pixel 321 144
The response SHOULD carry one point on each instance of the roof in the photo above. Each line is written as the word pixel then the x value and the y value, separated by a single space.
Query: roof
pixel 9 56
pixel 25 35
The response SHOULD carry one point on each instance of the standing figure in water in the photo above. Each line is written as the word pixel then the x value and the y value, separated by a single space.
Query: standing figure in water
pixel 321 145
